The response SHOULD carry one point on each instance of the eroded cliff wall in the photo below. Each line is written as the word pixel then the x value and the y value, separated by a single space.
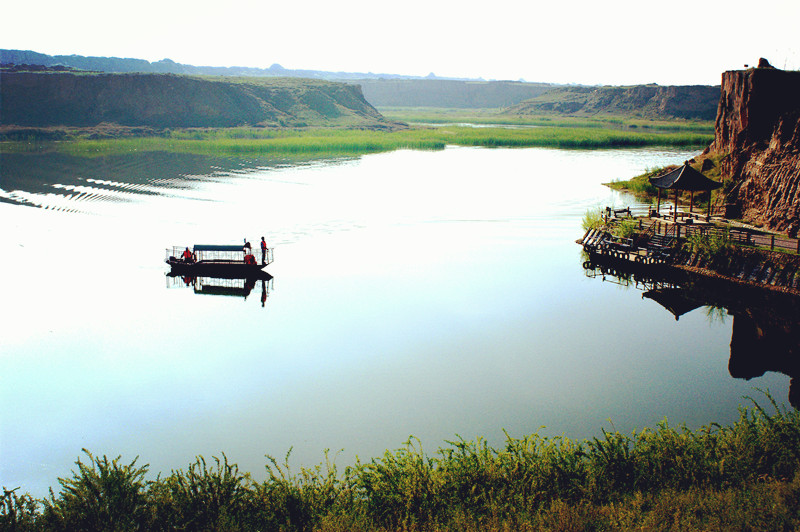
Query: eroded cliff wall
pixel 758 133
pixel 647 101
pixel 165 101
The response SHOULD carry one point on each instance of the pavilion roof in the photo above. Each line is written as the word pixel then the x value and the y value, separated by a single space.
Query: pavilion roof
pixel 685 178
pixel 675 300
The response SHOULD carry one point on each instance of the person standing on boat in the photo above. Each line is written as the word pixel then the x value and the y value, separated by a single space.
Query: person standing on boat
pixel 247 248
pixel 263 251
pixel 187 256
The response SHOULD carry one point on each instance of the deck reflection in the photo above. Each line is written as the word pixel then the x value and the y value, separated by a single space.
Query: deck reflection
pixel 224 286
pixel 765 332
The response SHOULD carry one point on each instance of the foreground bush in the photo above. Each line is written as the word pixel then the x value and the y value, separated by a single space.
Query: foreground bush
pixel 742 476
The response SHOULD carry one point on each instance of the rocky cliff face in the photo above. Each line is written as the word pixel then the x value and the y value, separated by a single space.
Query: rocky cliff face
pixel 758 133
pixel 647 101
pixel 47 99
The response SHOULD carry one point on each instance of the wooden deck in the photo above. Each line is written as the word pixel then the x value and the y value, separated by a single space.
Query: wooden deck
pixel 601 243
pixel 657 232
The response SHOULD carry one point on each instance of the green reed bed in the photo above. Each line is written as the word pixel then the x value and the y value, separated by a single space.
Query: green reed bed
pixel 258 142
pixel 243 141
pixel 668 477
pixel 573 138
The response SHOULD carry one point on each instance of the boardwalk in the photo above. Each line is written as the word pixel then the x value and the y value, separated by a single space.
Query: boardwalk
pixel 654 237
pixel 666 228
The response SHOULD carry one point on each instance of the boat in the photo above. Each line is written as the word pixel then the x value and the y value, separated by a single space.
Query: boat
pixel 216 260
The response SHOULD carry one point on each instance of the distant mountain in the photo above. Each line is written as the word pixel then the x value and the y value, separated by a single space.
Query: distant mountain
pixel 167 66
pixel 383 90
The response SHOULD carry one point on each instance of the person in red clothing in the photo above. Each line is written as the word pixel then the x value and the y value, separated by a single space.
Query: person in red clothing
pixel 263 251
pixel 187 256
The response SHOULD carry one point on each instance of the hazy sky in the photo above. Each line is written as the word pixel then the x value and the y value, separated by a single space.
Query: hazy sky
pixel 579 41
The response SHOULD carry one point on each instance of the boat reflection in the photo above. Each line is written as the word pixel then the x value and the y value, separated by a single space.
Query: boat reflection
pixel 765 332
pixel 224 286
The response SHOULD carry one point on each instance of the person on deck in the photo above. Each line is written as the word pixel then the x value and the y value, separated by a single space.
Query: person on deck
pixel 187 256
pixel 263 251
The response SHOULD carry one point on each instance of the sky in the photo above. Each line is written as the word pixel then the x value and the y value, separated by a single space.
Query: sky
pixel 679 42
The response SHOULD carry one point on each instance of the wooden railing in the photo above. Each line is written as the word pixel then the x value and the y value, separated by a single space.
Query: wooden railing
pixel 740 236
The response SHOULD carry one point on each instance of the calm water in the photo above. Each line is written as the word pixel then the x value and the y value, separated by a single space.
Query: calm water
pixel 431 294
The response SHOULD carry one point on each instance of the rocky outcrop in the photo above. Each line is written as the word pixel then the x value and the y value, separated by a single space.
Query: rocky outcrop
pixel 767 269
pixel 757 133
pixel 646 101
pixel 46 99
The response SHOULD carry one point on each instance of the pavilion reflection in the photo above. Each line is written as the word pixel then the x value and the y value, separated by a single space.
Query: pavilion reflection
pixel 225 286
pixel 765 324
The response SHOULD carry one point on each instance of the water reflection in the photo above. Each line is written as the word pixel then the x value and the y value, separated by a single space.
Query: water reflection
pixel 224 286
pixel 765 335
pixel 69 183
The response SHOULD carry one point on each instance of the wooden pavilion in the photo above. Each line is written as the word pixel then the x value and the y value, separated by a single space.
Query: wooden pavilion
pixel 684 178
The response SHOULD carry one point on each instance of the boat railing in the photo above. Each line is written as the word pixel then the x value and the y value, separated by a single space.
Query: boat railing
pixel 233 254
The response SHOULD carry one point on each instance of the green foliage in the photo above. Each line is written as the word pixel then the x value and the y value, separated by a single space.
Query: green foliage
pixel 640 184
pixel 715 247
pixel 593 219
pixel 202 497
pixel 332 142
pixel 750 471
pixel 400 489
pixel 17 512
pixel 431 115
pixel 626 228
pixel 101 495
pixel 300 501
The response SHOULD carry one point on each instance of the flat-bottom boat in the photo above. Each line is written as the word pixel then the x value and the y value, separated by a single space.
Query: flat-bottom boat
pixel 216 261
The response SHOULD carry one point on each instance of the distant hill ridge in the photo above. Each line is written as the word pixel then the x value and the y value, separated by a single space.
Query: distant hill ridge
pixel 47 99
pixel 167 66
pixel 381 90
pixel 392 90
pixel 696 102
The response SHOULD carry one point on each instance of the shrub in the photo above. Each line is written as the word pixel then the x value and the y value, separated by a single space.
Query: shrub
pixel 593 219
pixel 202 497
pixel 101 495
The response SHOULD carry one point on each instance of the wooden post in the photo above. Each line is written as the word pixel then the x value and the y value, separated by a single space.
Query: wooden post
pixel 772 242
pixel 658 204
pixel 691 202
pixel 675 217
pixel 710 192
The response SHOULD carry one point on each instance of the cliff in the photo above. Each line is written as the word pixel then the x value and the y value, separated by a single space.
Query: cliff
pixel 757 138
pixel 448 93
pixel 46 99
pixel 646 101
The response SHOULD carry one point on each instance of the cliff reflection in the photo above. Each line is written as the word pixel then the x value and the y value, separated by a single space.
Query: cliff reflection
pixel 225 286
pixel 765 324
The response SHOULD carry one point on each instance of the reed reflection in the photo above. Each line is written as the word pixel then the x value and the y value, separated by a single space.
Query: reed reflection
pixel 765 331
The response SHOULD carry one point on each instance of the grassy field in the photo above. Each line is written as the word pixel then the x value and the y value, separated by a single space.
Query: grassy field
pixel 333 142
pixel 427 115
pixel 744 476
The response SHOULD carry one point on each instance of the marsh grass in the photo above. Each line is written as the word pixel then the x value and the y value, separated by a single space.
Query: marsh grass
pixel 669 477
pixel 322 142
pixel 498 116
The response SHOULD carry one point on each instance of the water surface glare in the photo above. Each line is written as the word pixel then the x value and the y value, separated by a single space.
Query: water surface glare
pixel 417 293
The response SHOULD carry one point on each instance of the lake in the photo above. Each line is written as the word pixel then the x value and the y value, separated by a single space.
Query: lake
pixel 428 293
